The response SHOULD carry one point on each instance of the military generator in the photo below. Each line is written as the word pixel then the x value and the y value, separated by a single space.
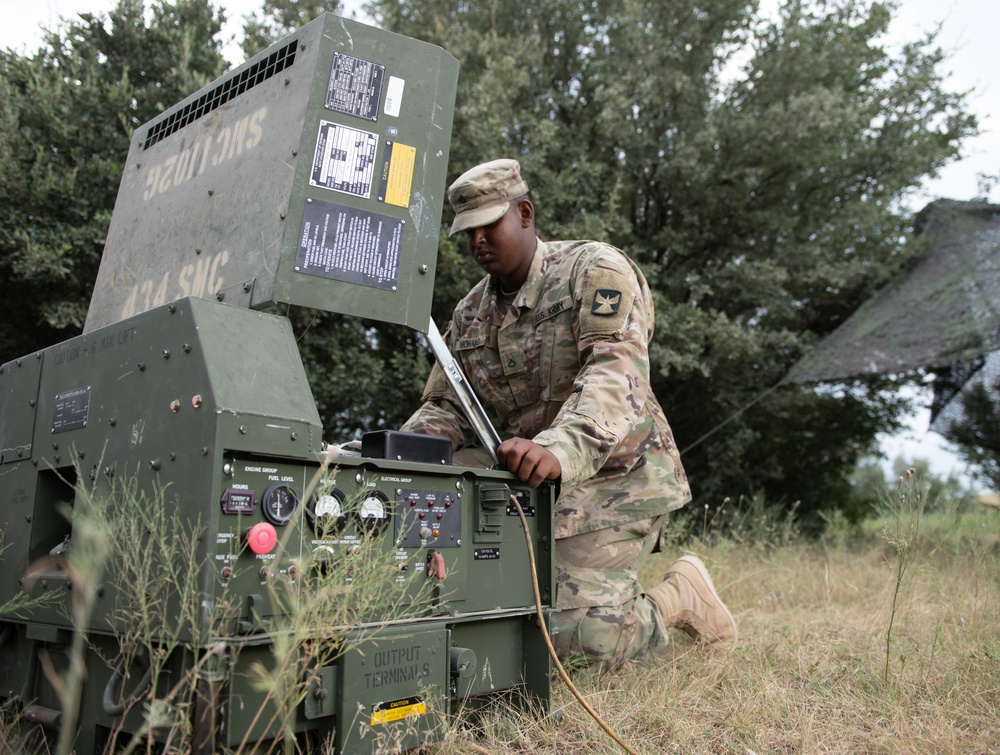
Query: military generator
pixel 185 560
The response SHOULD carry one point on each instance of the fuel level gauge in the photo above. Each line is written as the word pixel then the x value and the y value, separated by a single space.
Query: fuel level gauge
pixel 279 503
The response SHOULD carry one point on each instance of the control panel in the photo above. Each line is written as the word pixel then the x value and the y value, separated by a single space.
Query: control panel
pixel 441 527
pixel 428 517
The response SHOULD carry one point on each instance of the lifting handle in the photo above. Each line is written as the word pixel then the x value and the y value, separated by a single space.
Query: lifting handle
pixel 108 702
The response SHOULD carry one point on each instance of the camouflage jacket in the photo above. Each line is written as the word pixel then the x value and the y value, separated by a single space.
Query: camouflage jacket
pixel 566 364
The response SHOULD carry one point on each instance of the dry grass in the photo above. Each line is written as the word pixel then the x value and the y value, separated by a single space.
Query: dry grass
pixel 807 675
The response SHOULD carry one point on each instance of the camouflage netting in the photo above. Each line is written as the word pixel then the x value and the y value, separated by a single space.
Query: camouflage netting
pixel 950 386
pixel 943 310
pixel 943 314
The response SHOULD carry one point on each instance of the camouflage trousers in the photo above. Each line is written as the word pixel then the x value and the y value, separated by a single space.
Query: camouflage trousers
pixel 603 617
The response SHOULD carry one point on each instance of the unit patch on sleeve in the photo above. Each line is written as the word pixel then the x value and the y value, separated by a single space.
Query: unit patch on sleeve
pixel 606 302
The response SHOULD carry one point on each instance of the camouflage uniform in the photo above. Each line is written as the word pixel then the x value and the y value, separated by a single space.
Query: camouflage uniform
pixel 565 363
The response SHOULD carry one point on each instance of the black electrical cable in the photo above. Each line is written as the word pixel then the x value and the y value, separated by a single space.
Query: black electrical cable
pixel 731 417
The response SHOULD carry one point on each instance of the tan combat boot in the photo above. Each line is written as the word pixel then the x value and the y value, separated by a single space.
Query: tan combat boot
pixel 687 600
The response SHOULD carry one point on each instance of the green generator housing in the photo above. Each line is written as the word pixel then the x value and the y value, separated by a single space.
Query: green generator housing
pixel 313 174
pixel 171 515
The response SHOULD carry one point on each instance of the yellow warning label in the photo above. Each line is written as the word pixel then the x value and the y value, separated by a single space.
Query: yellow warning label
pixel 384 713
pixel 399 175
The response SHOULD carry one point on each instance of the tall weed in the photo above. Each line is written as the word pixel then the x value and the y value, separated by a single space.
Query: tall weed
pixel 901 528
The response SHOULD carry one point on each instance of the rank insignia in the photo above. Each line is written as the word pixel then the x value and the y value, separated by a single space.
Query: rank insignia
pixel 606 301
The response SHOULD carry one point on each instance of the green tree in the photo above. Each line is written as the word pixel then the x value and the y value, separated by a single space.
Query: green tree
pixel 66 118
pixel 278 18
pixel 978 434
pixel 869 490
pixel 764 200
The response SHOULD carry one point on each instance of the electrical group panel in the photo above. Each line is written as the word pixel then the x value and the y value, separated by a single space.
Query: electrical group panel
pixel 286 521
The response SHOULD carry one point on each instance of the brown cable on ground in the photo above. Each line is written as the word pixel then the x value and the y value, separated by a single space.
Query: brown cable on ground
pixel 548 642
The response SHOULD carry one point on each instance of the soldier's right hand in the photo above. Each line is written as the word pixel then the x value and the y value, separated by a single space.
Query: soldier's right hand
pixel 532 463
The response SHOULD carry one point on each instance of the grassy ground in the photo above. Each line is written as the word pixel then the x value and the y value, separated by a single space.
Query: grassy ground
pixel 809 672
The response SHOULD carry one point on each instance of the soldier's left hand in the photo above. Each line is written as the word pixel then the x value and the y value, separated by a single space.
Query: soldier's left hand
pixel 531 462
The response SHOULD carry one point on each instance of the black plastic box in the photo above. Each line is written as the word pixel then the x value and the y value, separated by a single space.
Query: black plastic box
pixel 400 446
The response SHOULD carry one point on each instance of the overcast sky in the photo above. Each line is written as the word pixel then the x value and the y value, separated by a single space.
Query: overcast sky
pixel 970 33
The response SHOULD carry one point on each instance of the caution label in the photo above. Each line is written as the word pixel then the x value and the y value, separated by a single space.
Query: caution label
pixel 396 710
pixel 397 174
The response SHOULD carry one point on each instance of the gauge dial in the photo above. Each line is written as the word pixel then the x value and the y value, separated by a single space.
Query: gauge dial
pixel 373 514
pixel 279 503
pixel 327 505
pixel 327 512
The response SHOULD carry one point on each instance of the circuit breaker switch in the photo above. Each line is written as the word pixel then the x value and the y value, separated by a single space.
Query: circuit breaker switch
pixel 490 513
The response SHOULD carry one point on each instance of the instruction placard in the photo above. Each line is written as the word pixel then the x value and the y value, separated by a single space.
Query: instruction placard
pixel 71 410
pixel 348 244
pixel 344 159
pixel 355 86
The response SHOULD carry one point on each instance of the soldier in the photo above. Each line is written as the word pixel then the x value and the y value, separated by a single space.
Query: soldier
pixel 555 340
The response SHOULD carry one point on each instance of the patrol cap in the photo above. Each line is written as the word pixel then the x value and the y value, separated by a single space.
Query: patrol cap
pixel 482 194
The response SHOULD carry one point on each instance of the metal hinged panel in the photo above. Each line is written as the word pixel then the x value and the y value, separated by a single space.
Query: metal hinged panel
pixel 313 174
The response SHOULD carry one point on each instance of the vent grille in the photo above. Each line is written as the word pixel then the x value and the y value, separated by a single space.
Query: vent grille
pixel 232 87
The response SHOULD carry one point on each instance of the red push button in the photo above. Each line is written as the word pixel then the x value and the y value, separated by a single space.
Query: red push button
pixel 262 538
